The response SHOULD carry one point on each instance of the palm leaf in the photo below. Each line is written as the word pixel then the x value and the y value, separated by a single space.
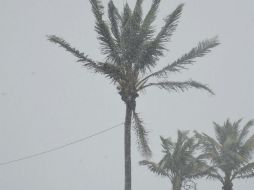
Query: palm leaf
pixel 141 136
pixel 115 19
pixel 245 131
pixel 197 169
pixel 130 38
pixel 97 8
pixel 113 72
pixel 178 86
pixel 167 163
pixel 171 22
pixel 167 145
pixel 146 28
pixel 200 50
pixel 220 133
pixel 246 171
pixel 209 147
pixel 214 174
pixel 137 13
pixel 247 148
pixel 126 15
pixel 153 167
pixel 109 47
pixel 154 49
pixel 110 71
pixel 81 57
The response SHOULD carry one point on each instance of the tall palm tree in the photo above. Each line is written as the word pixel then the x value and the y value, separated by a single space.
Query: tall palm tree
pixel 132 50
pixel 179 163
pixel 230 152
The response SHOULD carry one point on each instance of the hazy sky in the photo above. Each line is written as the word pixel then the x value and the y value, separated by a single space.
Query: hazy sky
pixel 47 99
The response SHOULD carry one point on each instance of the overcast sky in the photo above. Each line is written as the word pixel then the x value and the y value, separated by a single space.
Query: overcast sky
pixel 47 99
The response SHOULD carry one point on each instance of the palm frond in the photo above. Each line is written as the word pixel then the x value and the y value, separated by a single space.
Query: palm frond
pixel 214 174
pixel 126 15
pixel 209 146
pixel 115 20
pixel 109 47
pixel 197 169
pixel 146 28
pixel 200 50
pixel 177 154
pixel 167 163
pixel 247 148
pixel 167 30
pixel 220 133
pixel 130 38
pixel 178 86
pixel 244 132
pixel 113 72
pixel 110 71
pixel 137 13
pixel 246 171
pixel 236 125
pixel 153 167
pixel 154 49
pixel 141 136
pixel 232 159
pixel 190 145
pixel 167 145
pixel 81 56
pixel 97 8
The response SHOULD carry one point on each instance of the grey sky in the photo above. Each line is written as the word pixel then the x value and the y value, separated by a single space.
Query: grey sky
pixel 46 99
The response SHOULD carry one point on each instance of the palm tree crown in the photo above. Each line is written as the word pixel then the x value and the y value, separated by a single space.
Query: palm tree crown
pixel 180 162
pixel 230 152
pixel 133 49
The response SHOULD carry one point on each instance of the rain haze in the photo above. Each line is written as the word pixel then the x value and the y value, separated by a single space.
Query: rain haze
pixel 47 99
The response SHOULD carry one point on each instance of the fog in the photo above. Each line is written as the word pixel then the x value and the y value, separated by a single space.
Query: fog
pixel 47 99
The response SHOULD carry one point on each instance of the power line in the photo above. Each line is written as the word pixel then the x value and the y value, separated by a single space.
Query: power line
pixel 58 147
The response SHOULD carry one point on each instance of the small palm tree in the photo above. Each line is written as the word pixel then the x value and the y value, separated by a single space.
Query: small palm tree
pixel 132 51
pixel 230 152
pixel 179 162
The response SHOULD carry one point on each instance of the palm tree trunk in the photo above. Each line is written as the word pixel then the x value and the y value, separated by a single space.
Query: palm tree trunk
pixel 177 183
pixel 127 146
pixel 228 185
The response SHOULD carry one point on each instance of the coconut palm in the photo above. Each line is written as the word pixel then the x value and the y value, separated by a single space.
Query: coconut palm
pixel 230 152
pixel 132 50
pixel 179 163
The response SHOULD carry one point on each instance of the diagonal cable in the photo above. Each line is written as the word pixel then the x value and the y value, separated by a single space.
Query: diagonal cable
pixel 58 147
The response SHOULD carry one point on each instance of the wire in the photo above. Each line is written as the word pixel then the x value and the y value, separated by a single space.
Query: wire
pixel 58 147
